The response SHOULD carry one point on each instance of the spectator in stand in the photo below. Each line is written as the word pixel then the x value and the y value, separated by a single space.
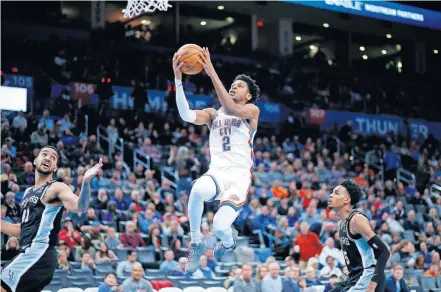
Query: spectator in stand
pixel 11 249
pixel 86 247
pixel 20 122
pixel 136 282
pixel 272 281
pixel 131 238
pixel 203 271
pixel 104 255
pixel 121 204
pixel 263 219
pixel 330 268
pixel 234 274
pixel 433 271
pixel 12 208
pixel 308 243
pixel 150 150
pixel 87 262
pixel 246 283
pixel 3 215
pixel 99 181
pixel 111 240
pixel 27 177
pixel 290 284
pixel 169 264
pixel 211 260
pixel 39 138
pixel 411 224
pixel 208 238
pixel 63 264
pixel 396 283
pixel 110 284
pixel 330 250
pixel 147 221
pixel 278 191
pixel 69 235
pixel 176 246
pixel 127 265
pixel 331 284
pixel 311 277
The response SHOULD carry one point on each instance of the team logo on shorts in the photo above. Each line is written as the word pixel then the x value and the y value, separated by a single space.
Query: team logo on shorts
pixel 11 276
pixel 233 198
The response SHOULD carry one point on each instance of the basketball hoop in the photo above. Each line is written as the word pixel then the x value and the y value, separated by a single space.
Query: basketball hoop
pixel 135 7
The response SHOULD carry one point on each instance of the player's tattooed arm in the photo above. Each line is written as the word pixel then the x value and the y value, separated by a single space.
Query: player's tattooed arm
pixel 78 204
pixel 247 111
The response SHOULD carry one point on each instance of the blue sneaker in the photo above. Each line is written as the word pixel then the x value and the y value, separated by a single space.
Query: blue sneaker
pixel 220 249
pixel 196 251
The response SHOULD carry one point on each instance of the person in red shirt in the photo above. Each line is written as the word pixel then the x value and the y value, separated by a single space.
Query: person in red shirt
pixel 308 244
pixel 69 235
pixel 131 237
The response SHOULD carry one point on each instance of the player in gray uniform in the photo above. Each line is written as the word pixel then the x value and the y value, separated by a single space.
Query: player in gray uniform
pixel 365 253
pixel 41 211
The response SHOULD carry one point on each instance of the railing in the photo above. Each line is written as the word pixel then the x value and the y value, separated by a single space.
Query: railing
pixel 371 162
pixel 406 176
pixel 101 134
pixel 169 174
pixel 86 124
pixel 140 158
pixel 435 191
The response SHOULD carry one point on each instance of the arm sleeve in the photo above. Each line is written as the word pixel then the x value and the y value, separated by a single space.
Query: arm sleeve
pixel 382 254
pixel 184 110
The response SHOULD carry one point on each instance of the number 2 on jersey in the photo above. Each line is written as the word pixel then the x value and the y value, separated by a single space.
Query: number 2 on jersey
pixel 226 143
pixel 25 216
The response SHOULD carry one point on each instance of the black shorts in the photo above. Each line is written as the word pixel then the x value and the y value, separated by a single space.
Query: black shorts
pixel 31 270
pixel 359 281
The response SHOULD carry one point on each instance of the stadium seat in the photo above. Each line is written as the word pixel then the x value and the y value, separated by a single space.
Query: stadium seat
pixel 242 241
pixel 420 208
pixel 106 266
pixel 216 289
pixel 428 284
pixel 75 265
pixel 54 286
pixel 194 289
pixel 184 284
pixel 91 290
pixel 155 277
pixel 97 279
pixel 208 284
pixel 71 289
pixel 320 288
pixel 146 254
pixel 85 274
pixel 171 289
pixel 121 252
pixel 80 285
pixel 438 281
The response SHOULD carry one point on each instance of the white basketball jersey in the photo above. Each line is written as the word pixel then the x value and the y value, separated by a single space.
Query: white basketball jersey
pixel 231 142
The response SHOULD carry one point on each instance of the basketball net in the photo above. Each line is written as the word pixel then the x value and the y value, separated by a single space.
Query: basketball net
pixel 135 7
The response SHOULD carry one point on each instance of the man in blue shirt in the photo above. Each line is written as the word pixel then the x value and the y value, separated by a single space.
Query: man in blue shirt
pixel 169 264
pixel 396 283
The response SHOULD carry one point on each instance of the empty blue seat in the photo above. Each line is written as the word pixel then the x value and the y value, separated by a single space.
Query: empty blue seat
pixel 146 254
pixel 54 286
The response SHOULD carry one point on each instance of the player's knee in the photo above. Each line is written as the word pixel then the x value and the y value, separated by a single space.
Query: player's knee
pixel 204 188
pixel 220 223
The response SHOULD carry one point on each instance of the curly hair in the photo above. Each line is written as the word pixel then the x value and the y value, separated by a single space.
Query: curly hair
pixel 252 86
pixel 354 191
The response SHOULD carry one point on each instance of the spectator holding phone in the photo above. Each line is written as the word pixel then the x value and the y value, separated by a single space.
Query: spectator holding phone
pixel 110 284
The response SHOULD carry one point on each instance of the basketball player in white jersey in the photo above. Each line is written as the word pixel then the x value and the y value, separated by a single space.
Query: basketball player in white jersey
pixel 232 129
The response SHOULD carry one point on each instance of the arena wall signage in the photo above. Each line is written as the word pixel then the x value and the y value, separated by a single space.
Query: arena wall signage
pixel 373 124
pixel 382 10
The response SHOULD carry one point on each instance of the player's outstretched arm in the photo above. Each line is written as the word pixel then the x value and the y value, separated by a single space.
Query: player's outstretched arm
pixel 247 111
pixel 10 228
pixel 360 225
pixel 196 117
pixel 78 204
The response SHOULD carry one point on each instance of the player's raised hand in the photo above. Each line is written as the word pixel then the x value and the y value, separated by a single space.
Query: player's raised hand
pixel 177 67
pixel 93 171
pixel 205 60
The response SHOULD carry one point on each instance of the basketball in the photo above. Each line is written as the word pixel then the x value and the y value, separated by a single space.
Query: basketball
pixel 189 54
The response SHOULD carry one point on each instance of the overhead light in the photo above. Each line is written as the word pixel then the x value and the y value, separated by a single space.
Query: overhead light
pixel 229 19
pixel 389 36
pixel 365 57
pixel 362 48
pixel 399 65
pixel 123 11
pixel 325 25
pixel 298 38
pixel 203 23
pixel 398 47
pixel 312 47
pixel 145 22
pixel 220 7
pixel 435 52
pixel 384 52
